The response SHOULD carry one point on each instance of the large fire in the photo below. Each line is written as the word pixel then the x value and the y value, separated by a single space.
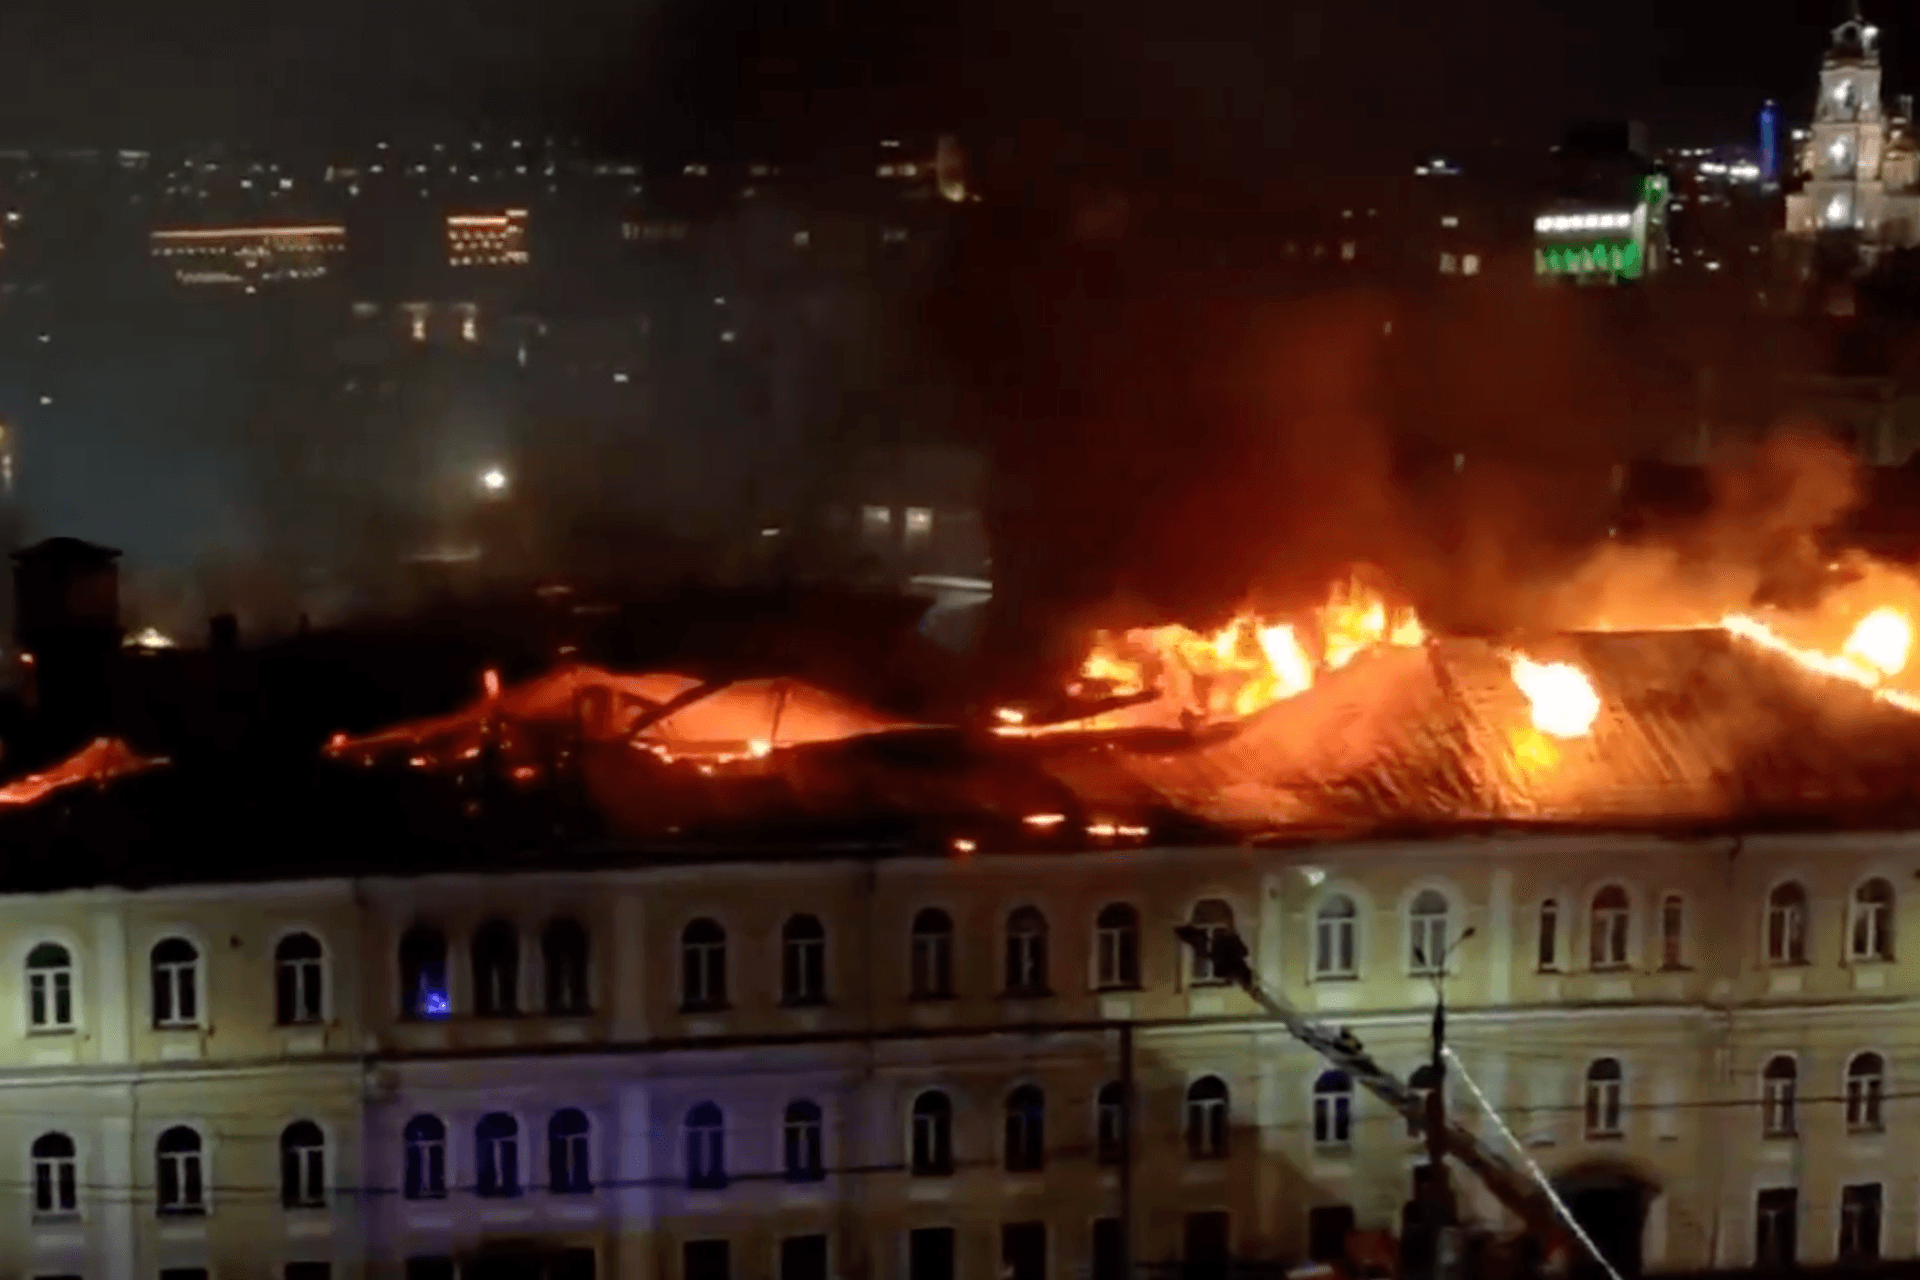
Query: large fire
pixel 1252 661
pixel 1874 653
pixel 1563 700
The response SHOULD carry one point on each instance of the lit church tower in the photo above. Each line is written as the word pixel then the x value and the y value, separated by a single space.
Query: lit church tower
pixel 1858 167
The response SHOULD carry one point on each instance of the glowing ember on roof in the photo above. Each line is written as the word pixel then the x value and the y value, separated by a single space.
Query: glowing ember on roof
pixel 1863 661
pixel 1882 640
pixel 99 761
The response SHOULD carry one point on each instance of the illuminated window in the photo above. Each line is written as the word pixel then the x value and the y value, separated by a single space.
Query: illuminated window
pixel 876 523
pixel 1207 1111
pixel 303 1166
pixel 1866 1086
pixel 425 1176
pixel 706 1147
pixel 1469 264
pixel 1779 1083
pixel 801 1141
pixel 1427 933
pixel 1335 945
pixel 931 955
pixel 803 961
pixel 918 524
pixel 802 239
pixel 1333 1109
pixel 496 1154
pixel 703 966
pixel 180 1184
pixel 176 984
pixel 1025 1147
pixel 932 1138
pixel 299 980
pixel 496 970
pixel 1117 948
pixel 1213 920
pixel 56 1191
pixel 50 988
pixel 569 1171
pixel 1026 968
pixel 1603 1099
pixel 423 974
pixel 1787 924
pixel 563 956
pixel 1871 930
pixel 1110 1123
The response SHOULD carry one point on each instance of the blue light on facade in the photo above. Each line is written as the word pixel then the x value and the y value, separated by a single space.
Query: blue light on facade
pixel 1770 143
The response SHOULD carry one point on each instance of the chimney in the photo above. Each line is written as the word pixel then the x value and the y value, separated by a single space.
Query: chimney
pixel 223 634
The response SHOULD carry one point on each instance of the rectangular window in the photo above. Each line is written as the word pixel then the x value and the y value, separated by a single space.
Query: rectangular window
pixel 1672 933
pixel 803 1258
pixel 930 1254
pixel 1023 1251
pixel 1549 951
pixel 1776 1227
pixel 1109 1249
pixel 1860 1222
pixel 706 1260
pixel 50 996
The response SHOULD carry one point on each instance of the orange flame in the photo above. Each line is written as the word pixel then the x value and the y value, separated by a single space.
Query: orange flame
pixel 1882 640
pixel 1563 699
pixel 1251 662
pixel 1874 652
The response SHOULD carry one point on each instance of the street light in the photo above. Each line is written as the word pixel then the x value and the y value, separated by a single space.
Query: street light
pixel 493 480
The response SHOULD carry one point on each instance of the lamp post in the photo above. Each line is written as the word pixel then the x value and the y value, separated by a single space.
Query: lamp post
pixel 1438 1214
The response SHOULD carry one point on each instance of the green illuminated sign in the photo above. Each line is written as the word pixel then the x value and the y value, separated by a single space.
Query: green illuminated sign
pixel 1620 258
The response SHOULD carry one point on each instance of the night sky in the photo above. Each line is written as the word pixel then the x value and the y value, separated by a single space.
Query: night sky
pixel 1347 86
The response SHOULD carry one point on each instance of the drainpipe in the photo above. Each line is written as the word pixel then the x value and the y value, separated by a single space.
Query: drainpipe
pixel 1723 1079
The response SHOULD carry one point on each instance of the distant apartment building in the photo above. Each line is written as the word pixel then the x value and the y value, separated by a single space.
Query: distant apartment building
pixel 249 256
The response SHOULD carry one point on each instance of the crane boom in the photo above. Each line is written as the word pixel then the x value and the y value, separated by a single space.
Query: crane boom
pixel 1512 1187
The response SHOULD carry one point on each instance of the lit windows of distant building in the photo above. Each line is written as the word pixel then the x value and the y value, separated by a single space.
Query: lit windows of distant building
pixel 487 239
pixel 249 256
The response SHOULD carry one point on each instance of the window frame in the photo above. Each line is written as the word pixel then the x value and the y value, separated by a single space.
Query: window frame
pixel 1855 1243
pixel 566 968
pixel 1027 971
pixel 1673 931
pixel 1023 1147
pixel 495 1178
pixel 422 954
pixel 703 965
pixel 1546 935
pixel 1787 925
pixel 1871 923
pixel 189 1165
pixel 930 1134
pixel 431 1154
pixel 306 1162
pixel 570 1153
pixel 300 976
pixel 1780 1097
pixel 704 1147
pixel 1604 1099
pixel 1332 1127
pixel 803 961
pixel 1610 929
pixel 1112 1123
pixel 930 954
pixel 57 1174
pixel 494 960
pixel 1421 927
pixel 181 979
pixel 1865 1092
pixel 1335 936
pixel 50 986
pixel 1208 1127
pixel 1116 947
pixel 1219 918
pixel 803 1141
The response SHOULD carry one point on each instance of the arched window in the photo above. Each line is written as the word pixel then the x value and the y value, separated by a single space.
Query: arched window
pixel 706 1147
pixel 932 1154
pixel 1116 934
pixel 1787 924
pixel 1866 1085
pixel 1026 1130
pixel 1871 931
pixel 303 1166
pixel 1607 928
pixel 1779 1083
pixel 1333 1110
pixel 802 1147
pixel 703 966
pixel 50 988
pixel 423 974
pixel 563 963
pixel 569 1169
pixel 299 980
pixel 56 1179
pixel 1335 949
pixel 1026 953
pixel 179 1184
pixel 1207 1119
pixel 803 960
pixel 1213 919
pixel 1603 1098
pixel 496 1155
pixel 1673 932
pixel 931 968
pixel 496 970
pixel 176 983
pixel 1549 936
pixel 1110 1123
pixel 426 1151
pixel 1427 933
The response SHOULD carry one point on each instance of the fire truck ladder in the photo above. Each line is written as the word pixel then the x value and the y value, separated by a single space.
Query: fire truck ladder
pixel 1527 1195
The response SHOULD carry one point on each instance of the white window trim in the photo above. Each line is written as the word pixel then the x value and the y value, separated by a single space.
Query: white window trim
pixel 64 1217
pixel 1362 935
pixel 202 958
pixel 208 1152
pixel 76 979
pixel 326 972
pixel 1636 929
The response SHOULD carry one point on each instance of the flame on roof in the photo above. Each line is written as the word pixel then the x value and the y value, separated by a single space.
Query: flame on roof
pixel 99 762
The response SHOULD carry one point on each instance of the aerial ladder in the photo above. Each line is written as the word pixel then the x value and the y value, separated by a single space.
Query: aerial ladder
pixel 1526 1194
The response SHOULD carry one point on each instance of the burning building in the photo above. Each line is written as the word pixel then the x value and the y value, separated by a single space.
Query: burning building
pixel 695 974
